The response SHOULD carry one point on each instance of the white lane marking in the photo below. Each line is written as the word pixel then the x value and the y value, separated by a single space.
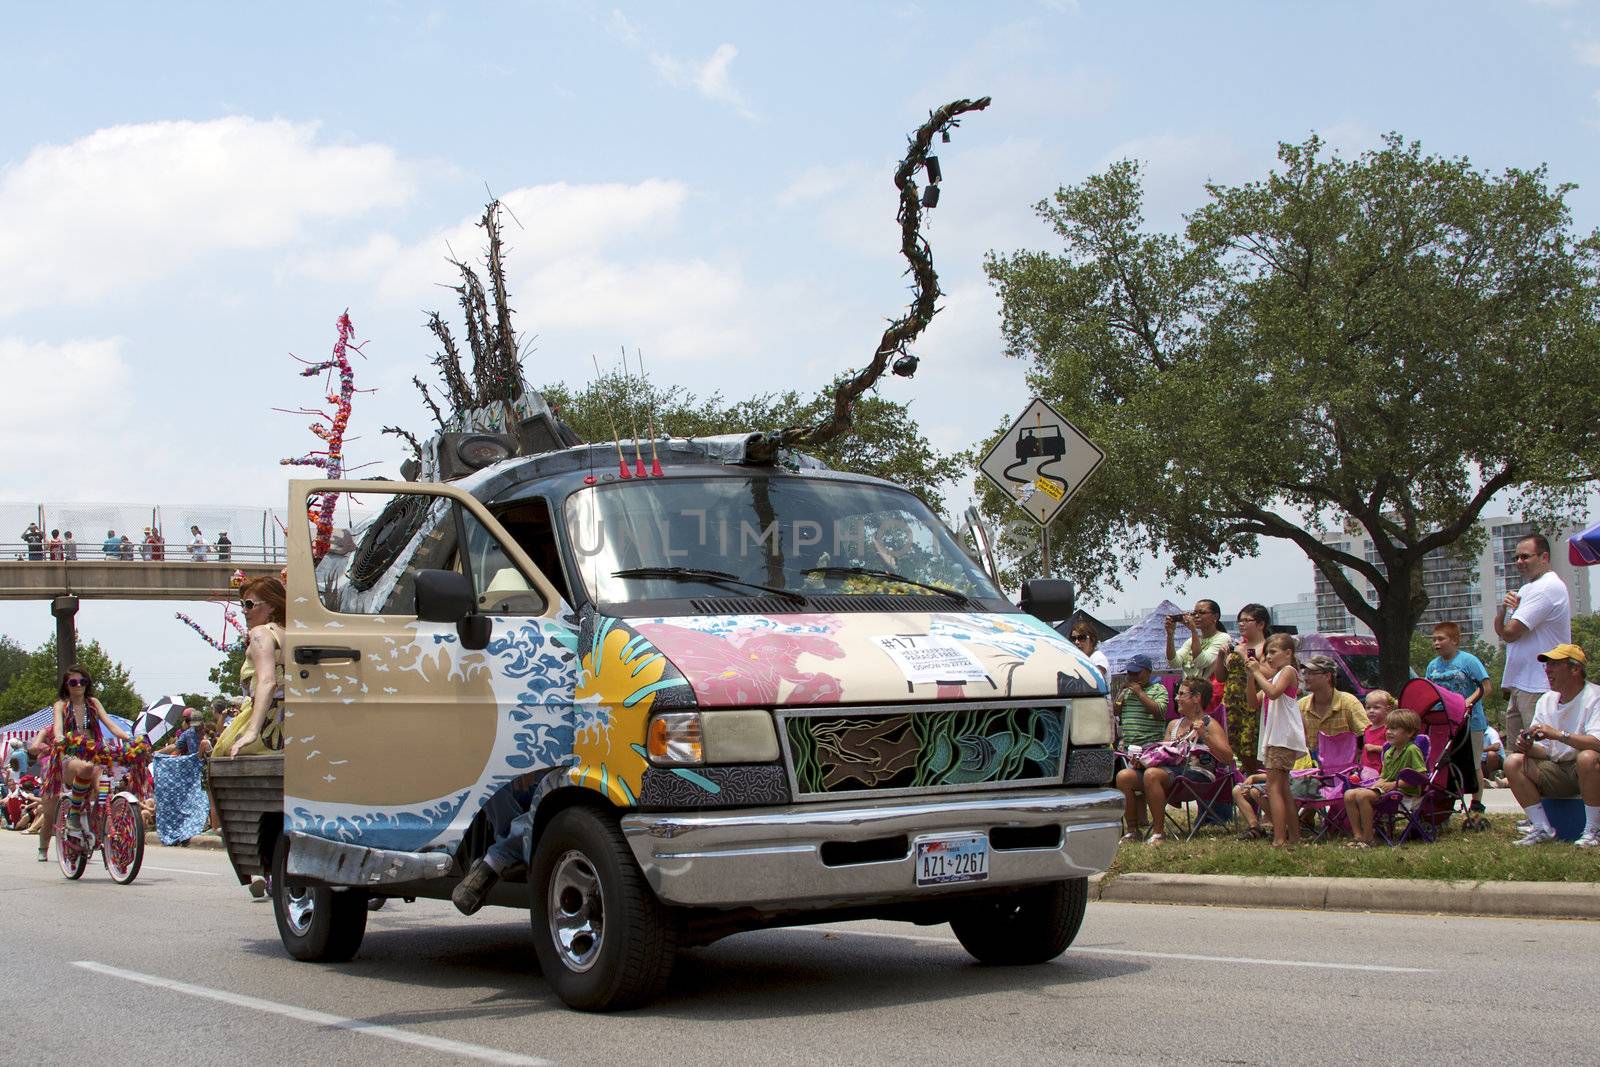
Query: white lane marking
pixel 319 1018
pixel 180 870
pixel 951 942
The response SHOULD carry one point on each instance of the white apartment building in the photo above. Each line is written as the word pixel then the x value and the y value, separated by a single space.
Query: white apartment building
pixel 1461 591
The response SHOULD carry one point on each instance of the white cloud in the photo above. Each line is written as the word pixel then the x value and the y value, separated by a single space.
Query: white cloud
pixel 53 391
pixel 582 263
pixel 710 78
pixel 129 205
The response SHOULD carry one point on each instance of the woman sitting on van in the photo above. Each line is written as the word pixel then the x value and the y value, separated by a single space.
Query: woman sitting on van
pixel 1209 751
pixel 261 675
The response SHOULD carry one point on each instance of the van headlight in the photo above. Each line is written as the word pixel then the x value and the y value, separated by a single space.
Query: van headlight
pixel 1091 721
pixel 686 738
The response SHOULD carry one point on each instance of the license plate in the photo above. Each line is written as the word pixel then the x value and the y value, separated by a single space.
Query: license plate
pixel 952 858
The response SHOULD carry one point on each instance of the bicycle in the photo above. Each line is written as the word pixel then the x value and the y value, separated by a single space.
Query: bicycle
pixel 113 826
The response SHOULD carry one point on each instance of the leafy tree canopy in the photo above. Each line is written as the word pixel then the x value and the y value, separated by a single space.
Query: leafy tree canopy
pixel 35 686
pixel 885 440
pixel 1381 343
pixel 13 657
pixel 225 675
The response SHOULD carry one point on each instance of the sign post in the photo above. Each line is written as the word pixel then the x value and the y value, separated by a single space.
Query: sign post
pixel 1041 463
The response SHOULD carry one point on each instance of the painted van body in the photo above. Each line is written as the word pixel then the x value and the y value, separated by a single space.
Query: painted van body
pixel 790 739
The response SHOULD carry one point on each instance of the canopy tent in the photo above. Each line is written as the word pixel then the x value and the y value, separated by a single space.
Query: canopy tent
pixel 1147 636
pixel 1583 549
pixel 29 725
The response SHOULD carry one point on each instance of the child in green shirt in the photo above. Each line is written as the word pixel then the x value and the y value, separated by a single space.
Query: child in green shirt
pixel 1401 728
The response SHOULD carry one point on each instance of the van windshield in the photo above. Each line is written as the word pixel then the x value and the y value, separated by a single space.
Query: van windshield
pixel 799 535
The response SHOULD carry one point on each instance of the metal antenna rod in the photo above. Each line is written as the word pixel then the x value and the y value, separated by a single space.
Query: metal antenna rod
pixel 655 461
pixel 633 419
pixel 622 462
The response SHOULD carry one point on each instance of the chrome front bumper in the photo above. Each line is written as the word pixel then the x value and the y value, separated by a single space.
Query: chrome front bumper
pixel 773 857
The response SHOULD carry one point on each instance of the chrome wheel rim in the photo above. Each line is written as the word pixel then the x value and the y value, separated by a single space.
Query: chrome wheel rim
pixel 298 909
pixel 576 911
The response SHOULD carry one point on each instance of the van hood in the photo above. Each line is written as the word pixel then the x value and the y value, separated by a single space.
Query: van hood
pixel 868 658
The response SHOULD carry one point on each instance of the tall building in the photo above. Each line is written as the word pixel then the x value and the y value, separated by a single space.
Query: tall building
pixel 1463 591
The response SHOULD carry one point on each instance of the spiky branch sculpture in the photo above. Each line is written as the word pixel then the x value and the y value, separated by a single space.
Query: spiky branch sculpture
pixel 925 283
pixel 496 376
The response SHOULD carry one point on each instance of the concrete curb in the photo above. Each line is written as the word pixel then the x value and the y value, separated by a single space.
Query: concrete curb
pixel 1526 900
pixel 211 841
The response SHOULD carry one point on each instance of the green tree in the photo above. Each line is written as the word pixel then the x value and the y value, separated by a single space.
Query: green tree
pixel 1380 343
pixel 225 675
pixel 36 685
pixel 884 441
pixel 13 657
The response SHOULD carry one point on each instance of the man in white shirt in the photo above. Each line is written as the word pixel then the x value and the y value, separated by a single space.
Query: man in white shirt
pixel 1532 618
pixel 1559 755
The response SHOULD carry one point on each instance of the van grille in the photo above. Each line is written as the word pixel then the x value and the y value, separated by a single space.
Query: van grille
pixel 888 750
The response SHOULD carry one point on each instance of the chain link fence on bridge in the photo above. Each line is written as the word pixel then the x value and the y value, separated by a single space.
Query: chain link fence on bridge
pixel 256 534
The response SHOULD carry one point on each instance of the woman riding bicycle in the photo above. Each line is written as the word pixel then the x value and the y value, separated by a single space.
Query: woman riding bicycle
pixel 81 724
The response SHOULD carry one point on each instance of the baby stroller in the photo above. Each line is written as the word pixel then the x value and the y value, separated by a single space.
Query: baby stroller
pixel 1444 741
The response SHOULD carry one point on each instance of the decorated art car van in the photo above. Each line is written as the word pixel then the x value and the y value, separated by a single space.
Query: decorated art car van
pixel 747 692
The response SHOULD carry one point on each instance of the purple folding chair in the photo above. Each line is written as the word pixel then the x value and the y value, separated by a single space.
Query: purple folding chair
pixel 1338 755
pixel 1207 797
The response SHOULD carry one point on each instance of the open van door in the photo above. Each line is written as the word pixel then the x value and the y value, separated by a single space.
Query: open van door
pixel 423 670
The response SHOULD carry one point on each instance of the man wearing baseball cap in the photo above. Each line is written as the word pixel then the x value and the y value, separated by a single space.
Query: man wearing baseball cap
pixel 1558 756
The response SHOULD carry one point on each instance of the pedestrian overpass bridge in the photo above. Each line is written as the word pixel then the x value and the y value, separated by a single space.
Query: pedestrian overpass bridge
pixel 96 567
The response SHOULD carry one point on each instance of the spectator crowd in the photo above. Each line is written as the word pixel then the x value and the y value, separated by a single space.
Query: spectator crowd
pixel 61 547
pixel 1245 729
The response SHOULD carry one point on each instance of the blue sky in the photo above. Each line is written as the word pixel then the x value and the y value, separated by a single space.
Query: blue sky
pixel 189 194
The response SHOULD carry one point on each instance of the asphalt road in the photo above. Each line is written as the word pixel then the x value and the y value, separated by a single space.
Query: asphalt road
pixel 181 967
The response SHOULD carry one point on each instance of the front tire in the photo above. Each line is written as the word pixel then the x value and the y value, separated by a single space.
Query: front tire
pixel 70 852
pixel 603 940
pixel 1025 926
pixel 123 847
pixel 316 924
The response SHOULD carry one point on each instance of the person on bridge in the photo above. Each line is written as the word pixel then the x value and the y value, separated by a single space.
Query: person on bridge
pixel 111 547
pixel 33 537
pixel 224 548
pixel 127 547
pixel 197 545
pixel 261 675
pixel 80 727
pixel 69 547
pixel 57 552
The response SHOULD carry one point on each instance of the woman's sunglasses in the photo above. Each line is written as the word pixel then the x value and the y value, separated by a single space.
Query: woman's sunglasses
pixel 247 603
pixel 76 683
pixel 1079 637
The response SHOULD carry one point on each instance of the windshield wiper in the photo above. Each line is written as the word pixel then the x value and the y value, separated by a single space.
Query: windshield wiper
pixel 891 576
pixel 705 575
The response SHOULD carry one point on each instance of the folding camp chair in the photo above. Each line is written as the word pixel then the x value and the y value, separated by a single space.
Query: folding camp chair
pixel 1338 755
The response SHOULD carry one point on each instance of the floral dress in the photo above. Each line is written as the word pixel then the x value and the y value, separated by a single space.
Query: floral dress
pixel 1244 721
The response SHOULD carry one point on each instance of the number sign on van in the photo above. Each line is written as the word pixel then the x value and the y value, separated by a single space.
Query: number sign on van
pixel 922 658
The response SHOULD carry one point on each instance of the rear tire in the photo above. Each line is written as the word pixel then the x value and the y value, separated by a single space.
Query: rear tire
pixel 316 924
pixel 70 853
pixel 123 847
pixel 603 940
pixel 1025 926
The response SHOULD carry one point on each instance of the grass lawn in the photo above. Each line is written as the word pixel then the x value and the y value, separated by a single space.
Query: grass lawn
pixel 1480 856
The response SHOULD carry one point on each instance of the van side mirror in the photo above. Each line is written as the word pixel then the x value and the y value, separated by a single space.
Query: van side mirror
pixel 446 596
pixel 443 596
pixel 1050 599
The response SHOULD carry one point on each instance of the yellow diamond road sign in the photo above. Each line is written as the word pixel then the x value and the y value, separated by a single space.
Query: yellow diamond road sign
pixel 1041 462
